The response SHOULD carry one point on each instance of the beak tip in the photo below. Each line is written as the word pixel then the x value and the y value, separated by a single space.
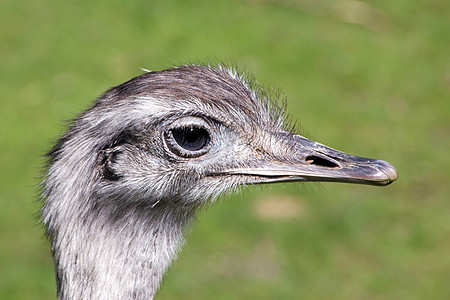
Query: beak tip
pixel 389 171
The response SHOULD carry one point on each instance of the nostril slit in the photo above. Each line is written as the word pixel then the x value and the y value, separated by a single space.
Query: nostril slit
pixel 319 161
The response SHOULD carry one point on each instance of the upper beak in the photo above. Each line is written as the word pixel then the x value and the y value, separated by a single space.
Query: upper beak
pixel 312 161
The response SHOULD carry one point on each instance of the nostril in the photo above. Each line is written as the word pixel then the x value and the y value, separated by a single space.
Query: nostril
pixel 319 161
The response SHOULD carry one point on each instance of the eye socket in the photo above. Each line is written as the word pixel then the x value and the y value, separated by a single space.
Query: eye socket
pixel 188 141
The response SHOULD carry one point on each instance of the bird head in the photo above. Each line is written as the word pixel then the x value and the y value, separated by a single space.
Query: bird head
pixel 188 134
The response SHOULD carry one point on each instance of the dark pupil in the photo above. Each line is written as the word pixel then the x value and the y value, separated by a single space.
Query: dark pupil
pixel 191 138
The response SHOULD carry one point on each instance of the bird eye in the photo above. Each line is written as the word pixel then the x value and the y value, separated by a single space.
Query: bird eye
pixel 188 141
pixel 191 138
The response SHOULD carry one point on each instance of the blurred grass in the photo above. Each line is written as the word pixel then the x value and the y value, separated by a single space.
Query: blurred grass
pixel 370 78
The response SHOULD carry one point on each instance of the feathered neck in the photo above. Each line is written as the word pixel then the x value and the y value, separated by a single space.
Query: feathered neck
pixel 107 246
pixel 117 258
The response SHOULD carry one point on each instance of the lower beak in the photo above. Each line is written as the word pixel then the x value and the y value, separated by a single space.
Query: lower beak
pixel 312 161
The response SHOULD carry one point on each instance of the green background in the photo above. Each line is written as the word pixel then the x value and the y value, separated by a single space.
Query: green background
pixel 370 78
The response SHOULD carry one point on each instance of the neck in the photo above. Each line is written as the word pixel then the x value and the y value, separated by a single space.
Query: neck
pixel 107 246
pixel 122 259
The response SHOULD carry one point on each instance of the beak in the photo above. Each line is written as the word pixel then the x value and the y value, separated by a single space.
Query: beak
pixel 312 161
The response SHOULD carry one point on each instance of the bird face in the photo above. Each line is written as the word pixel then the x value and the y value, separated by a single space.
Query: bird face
pixel 221 156
pixel 195 132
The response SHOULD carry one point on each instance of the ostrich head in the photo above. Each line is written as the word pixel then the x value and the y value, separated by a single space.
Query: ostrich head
pixel 132 170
